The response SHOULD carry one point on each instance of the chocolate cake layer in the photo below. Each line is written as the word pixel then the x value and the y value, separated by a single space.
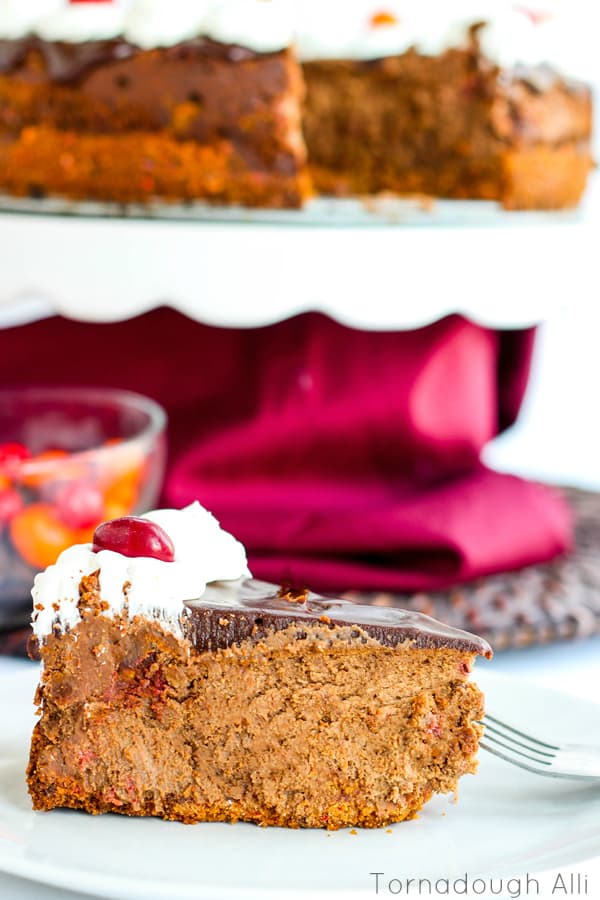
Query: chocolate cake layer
pixel 248 610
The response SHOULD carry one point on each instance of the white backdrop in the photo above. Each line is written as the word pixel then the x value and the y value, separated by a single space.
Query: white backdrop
pixel 558 434
pixel 557 437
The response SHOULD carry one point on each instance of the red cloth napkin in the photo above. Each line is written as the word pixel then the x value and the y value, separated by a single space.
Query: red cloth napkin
pixel 391 537
pixel 342 459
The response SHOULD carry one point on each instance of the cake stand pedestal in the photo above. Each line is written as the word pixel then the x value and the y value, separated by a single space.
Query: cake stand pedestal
pixel 381 266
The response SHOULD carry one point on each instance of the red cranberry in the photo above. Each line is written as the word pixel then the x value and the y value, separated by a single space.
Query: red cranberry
pixel 132 536
pixel 434 728
pixel 79 505
pixel 11 503
pixel 12 454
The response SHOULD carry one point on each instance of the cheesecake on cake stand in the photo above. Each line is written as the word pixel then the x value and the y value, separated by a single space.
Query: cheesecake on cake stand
pixel 262 103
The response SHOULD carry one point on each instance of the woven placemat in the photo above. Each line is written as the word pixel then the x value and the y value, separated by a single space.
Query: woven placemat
pixel 555 601
pixel 536 605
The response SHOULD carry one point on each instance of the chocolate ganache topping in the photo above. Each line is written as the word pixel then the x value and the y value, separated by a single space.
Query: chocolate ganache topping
pixel 231 612
pixel 13 54
pixel 70 63
pixel 64 62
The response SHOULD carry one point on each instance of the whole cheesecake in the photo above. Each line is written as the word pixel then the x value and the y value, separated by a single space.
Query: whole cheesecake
pixel 264 102
pixel 175 685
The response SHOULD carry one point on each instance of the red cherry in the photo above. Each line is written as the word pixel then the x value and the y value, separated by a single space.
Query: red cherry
pixel 11 503
pixel 12 454
pixel 134 537
pixel 79 504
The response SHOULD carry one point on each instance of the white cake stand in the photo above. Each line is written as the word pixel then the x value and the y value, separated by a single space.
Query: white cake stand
pixel 379 265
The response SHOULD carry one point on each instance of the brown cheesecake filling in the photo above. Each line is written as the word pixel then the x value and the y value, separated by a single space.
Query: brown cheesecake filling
pixel 452 125
pixel 293 717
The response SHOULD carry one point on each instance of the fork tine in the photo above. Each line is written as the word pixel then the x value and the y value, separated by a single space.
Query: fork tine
pixel 491 744
pixel 574 761
pixel 515 742
pixel 520 733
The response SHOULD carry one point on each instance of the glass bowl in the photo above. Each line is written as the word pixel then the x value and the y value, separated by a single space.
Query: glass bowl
pixel 70 458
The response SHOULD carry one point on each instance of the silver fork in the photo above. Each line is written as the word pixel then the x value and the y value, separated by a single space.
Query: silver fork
pixel 527 752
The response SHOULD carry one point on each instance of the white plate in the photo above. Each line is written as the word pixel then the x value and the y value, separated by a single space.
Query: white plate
pixel 378 268
pixel 507 822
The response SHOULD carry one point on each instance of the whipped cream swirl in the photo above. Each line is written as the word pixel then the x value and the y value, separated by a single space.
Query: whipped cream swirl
pixel 141 586
pixel 261 25
pixel 514 32
pixel 151 23
pixel 78 22
pixel 19 17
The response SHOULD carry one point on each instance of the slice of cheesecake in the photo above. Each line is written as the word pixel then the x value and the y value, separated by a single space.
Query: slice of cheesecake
pixel 249 703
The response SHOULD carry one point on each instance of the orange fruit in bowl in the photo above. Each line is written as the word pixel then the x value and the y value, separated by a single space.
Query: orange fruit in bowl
pixel 121 476
pixel 116 511
pixel 123 492
pixel 32 477
pixel 39 536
